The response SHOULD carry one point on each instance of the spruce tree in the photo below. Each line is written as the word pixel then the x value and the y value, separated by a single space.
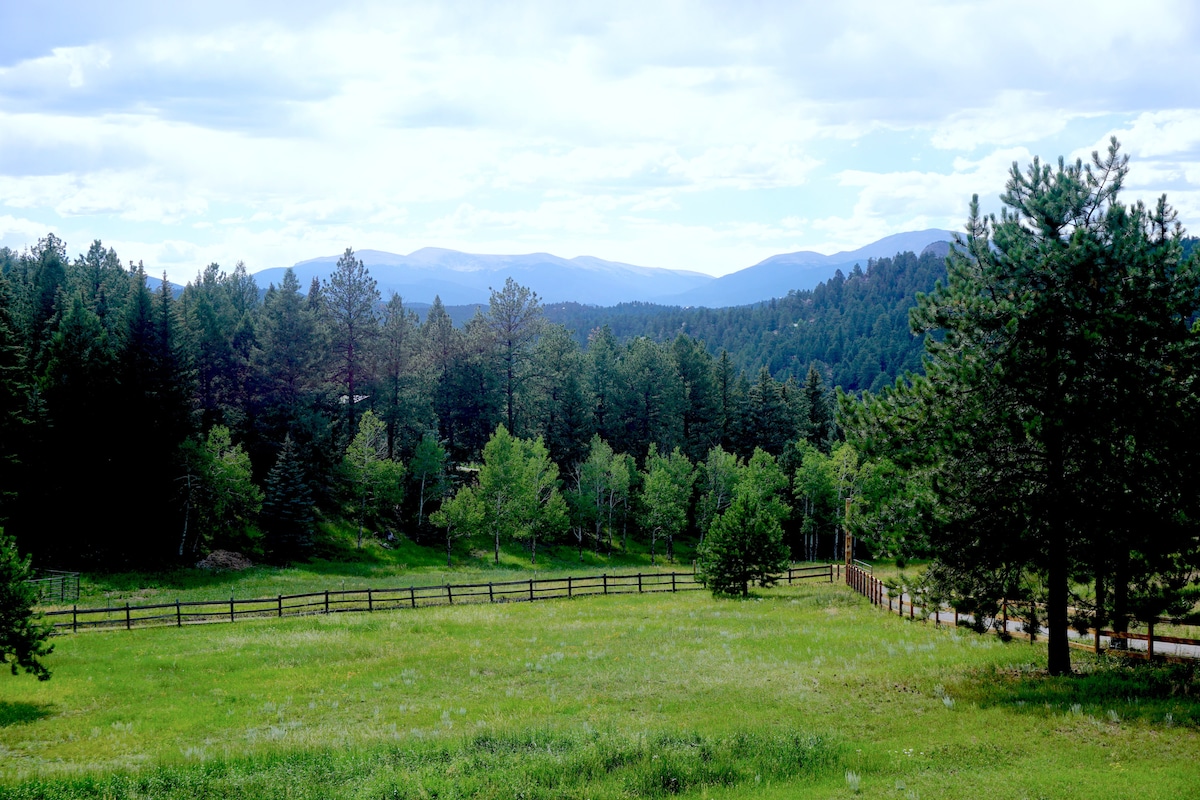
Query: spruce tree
pixel 287 508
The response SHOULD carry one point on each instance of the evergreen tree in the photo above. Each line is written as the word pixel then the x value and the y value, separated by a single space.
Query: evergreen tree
pixel 514 318
pixel 701 413
pixel 1057 421
pixel 560 411
pixel 287 507
pixel 23 634
pixel 349 299
pixel 402 399
pixel 289 357
pixel 603 382
pixel 820 428
pixel 745 544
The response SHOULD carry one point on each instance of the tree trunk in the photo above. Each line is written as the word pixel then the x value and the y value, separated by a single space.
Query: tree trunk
pixel 1058 659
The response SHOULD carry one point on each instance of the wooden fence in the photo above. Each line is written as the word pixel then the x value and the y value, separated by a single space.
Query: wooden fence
pixel 866 584
pixel 187 612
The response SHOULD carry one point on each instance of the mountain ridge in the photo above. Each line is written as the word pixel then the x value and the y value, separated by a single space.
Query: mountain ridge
pixel 461 278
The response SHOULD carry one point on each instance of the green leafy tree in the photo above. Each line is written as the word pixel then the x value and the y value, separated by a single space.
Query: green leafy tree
pixel 377 481
pixel 547 515
pixel 815 490
pixel 745 544
pixel 1056 422
pixel 518 486
pixel 719 477
pixel 221 500
pixel 460 517
pixel 23 634
pixel 427 470
pixel 666 495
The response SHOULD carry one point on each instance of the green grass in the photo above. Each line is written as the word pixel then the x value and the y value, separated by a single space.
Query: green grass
pixel 341 565
pixel 625 696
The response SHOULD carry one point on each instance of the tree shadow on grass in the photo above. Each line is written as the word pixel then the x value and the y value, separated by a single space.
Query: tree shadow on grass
pixel 20 713
pixel 1108 688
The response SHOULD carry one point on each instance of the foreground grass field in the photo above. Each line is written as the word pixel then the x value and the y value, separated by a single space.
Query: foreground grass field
pixel 802 692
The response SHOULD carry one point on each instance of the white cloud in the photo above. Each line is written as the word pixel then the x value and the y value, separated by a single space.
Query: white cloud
pixel 666 135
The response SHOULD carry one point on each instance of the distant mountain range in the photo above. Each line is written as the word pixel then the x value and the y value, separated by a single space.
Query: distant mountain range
pixel 465 278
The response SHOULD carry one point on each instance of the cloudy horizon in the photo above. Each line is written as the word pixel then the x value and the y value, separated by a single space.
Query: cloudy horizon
pixel 694 136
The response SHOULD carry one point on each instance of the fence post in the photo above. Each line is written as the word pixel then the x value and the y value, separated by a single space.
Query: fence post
pixel 178 614
pixel 568 586
pixel 326 601
pixel 74 619
pixel 449 595
pixel 531 589
pixel 1004 611
pixel 672 581
pixel 604 579
pixel 1150 640
pixel 279 600
pixel 491 597
pixel 639 583
pixel 231 608
pixel 370 600
pixel 412 596
pixel 128 623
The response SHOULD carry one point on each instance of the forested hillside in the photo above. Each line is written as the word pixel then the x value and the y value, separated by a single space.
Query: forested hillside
pixel 141 428
pixel 854 327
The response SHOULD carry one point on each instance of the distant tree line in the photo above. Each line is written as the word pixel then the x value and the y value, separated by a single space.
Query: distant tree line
pixel 142 428
pixel 854 327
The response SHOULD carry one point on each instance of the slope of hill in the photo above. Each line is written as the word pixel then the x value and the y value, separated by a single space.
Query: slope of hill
pixel 777 275
pixel 855 327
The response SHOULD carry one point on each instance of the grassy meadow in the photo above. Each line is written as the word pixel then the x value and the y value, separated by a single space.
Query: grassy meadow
pixel 803 691
pixel 341 565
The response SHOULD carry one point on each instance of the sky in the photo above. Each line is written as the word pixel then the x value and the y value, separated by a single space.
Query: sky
pixel 703 136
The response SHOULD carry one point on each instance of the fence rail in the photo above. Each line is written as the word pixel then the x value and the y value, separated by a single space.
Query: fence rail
pixel 188 612
pixel 866 584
